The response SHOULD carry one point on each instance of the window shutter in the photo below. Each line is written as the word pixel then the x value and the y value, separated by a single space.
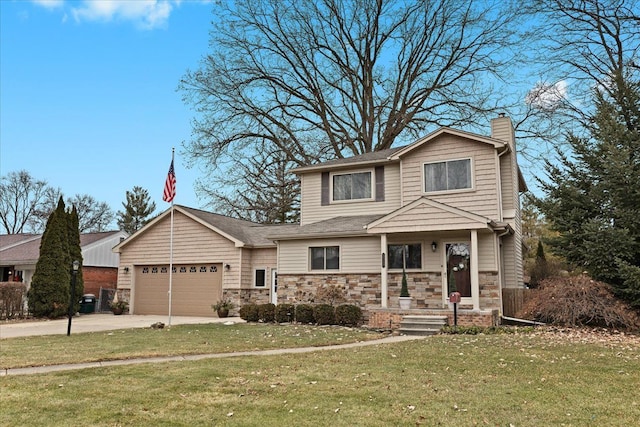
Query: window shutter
pixel 380 184
pixel 324 197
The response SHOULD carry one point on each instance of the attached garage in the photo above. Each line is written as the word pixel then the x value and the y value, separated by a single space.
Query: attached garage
pixel 195 287
pixel 214 257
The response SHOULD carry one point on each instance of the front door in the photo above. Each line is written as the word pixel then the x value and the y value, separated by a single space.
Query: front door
pixel 274 286
pixel 458 271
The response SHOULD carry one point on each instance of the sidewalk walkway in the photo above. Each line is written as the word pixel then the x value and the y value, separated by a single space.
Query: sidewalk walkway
pixel 69 367
pixel 100 322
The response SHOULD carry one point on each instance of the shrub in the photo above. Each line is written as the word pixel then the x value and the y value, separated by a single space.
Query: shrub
pixel 249 313
pixel 578 301
pixel 404 289
pixel 285 313
pixel 330 294
pixel 267 313
pixel 324 314
pixel 11 297
pixel 348 315
pixel 304 314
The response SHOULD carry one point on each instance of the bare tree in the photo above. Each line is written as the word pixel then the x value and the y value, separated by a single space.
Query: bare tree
pixel 259 189
pixel 94 216
pixel 21 196
pixel 583 45
pixel 331 78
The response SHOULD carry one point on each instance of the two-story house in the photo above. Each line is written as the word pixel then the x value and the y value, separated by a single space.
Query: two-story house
pixel 444 209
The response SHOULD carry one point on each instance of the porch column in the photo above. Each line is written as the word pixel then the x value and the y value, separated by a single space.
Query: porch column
pixel 475 280
pixel 383 270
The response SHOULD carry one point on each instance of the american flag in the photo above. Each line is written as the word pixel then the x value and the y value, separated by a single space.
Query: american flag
pixel 170 185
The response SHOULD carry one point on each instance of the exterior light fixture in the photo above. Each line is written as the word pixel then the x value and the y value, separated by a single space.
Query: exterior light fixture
pixel 434 246
pixel 227 267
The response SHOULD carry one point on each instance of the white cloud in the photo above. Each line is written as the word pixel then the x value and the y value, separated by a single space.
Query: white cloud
pixel 49 4
pixel 547 96
pixel 147 14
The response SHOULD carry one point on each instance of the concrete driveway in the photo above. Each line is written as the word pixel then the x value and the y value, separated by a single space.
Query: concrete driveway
pixel 99 322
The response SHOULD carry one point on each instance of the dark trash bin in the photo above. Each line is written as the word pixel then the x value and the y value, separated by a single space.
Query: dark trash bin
pixel 88 303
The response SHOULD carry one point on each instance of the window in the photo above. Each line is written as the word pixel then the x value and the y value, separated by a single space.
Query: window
pixel 412 255
pixel 260 278
pixel 326 258
pixel 451 175
pixel 352 186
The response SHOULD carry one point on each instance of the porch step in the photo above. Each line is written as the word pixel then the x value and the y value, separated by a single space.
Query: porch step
pixel 422 325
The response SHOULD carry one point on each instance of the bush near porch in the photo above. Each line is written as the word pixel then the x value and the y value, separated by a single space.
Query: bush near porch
pixel 320 314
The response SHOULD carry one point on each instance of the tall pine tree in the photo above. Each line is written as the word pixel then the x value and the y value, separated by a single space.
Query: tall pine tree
pixel 48 295
pixel 137 210
pixel 593 197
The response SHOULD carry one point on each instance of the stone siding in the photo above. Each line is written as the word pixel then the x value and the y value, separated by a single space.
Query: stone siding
pixel 360 289
pixel 489 291
pixel 390 319
pixel 425 289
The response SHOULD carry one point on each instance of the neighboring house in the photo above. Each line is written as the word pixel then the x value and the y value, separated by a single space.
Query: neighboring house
pixel 445 209
pixel 19 254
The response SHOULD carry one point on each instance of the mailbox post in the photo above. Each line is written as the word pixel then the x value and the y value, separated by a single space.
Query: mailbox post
pixel 454 297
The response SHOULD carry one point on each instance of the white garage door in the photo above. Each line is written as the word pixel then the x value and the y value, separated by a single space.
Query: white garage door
pixel 194 288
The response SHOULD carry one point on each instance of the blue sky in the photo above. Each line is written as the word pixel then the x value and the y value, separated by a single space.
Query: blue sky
pixel 88 98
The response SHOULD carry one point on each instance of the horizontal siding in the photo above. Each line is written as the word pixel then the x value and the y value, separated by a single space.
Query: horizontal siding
pixel 192 243
pixel 424 218
pixel 482 200
pixel 311 209
pixel 487 254
pixel 509 261
pixel 357 255
pixel 257 258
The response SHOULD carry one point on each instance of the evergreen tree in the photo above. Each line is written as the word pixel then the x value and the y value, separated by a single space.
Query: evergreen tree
pixel 49 292
pixel 137 210
pixel 593 197
pixel 75 252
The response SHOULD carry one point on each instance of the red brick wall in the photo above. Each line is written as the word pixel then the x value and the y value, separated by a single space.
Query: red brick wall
pixel 99 277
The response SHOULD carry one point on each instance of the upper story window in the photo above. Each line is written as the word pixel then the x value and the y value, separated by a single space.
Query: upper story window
pixel 352 186
pixel 446 176
pixel 325 258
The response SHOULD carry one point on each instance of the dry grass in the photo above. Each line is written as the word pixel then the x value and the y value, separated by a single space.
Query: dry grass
pixel 549 377
pixel 178 340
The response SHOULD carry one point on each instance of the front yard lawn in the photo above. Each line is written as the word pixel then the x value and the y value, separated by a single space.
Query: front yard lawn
pixel 177 340
pixel 449 380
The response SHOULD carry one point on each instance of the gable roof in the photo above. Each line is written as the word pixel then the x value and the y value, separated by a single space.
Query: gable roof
pixel 242 233
pixel 432 216
pixel 366 159
pixel 394 154
pixel 25 248
pixel 495 143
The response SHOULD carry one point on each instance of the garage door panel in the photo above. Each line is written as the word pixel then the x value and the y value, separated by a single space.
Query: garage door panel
pixel 195 287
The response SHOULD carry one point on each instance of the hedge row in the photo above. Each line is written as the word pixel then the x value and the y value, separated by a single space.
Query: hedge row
pixel 319 314
pixel 11 299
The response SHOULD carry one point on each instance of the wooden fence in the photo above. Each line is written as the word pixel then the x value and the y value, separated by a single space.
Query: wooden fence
pixel 513 299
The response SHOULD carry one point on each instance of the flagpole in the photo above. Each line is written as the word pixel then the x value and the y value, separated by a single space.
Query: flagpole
pixel 171 250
